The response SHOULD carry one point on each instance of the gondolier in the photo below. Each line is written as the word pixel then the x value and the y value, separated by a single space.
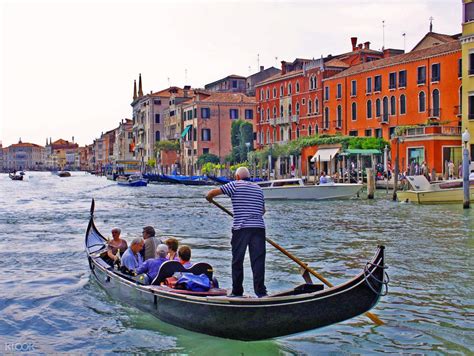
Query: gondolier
pixel 248 229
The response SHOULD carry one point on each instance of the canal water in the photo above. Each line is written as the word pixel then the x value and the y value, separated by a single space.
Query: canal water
pixel 48 300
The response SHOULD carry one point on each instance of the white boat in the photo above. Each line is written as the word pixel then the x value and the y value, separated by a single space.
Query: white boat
pixel 294 188
pixel 134 180
pixel 443 192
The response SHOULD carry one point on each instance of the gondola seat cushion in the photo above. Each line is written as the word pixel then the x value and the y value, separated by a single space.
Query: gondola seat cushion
pixel 169 268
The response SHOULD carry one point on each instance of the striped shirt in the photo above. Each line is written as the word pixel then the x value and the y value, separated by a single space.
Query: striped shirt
pixel 247 202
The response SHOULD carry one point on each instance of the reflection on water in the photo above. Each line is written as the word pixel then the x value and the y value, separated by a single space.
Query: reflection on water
pixel 47 297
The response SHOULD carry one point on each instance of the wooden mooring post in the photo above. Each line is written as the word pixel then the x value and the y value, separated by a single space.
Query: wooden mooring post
pixel 370 183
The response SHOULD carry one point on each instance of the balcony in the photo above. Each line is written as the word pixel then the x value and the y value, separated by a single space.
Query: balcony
pixel 384 119
pixel 433 130
pixel 272 121
pixel 338 124
pixel 282 120
pixel 434 113
pixel 295 118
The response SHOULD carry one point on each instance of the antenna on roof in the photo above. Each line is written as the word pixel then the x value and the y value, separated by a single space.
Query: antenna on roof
pixel 185 76
pixel 404 41
pixel 250 70
pixel 169 82
pixel 258 61
pixel 431 23
pixel 276 61
pixel 383 35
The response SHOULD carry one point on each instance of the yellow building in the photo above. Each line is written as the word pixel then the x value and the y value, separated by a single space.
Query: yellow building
pixel 467 41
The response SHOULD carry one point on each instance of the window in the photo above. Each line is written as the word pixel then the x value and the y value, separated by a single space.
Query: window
pixel 368 88
pixel 403 104
pixel 310 106
pixel 353 133
pixel 435 72
pixel 316 106
pixel 339 91
pixel 248 114
pixel 416 155
pixel 289 89
pixel 354 111
pixel 470 104
pixel 297 108
pixel 205 113
pixel 268 94
pixel 303 101
pixel 157 118
pixel 289 109
pixel 369 109
pixel 468 12
pixel 234 113
pixel 205 151
pixel 402 78
pixel 421 102
pixel 157 136
pixel 206 134
pixel 377 108
pixel 274 93
pixel 297 87
pixel 393 107
pixel 262 114
pixel 281 110
pixel 316 129
pixel 378 133
pixel 268 113
pixel 353 88
pixel 326 118
pixel 326 93
pixel 195 113
pixel 339 117
pixel 459 67
pixel 436 110
pixel 274 111
pixel 297 132
pixel 157 102
pixel 392 81
pixel 385 109
pixel 368 133
pixel 378 83
pixel 471 63
pixel 274 135
pixel 261 94
pixel 421 75
pixel 281 90
pixel 309 130
pixel 234 84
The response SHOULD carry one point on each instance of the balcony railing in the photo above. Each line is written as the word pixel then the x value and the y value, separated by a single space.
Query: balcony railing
pixel 282 120
pixel 272 121
pixel 434 113
pixel 451 130
pixel 338 124
pixel 458 110
pixel 434 130
pixel 384 119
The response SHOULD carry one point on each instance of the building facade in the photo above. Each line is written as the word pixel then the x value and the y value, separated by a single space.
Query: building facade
pixel 467 41
pixel 24 156
pixel 62 154
pixel 123 145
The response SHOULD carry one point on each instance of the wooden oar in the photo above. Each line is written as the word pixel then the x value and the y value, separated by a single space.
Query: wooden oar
pixel 370 315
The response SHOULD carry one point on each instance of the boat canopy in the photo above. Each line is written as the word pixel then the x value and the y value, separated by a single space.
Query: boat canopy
pixel 362 152
pixel 325 154
pixel 185 131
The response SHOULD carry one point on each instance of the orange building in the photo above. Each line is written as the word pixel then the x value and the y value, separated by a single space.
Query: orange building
pixel 421 87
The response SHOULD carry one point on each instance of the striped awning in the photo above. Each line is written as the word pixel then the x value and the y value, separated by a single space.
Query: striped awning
pixel 325 154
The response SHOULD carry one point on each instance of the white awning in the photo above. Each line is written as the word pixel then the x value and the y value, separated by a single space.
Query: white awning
pixel 325 154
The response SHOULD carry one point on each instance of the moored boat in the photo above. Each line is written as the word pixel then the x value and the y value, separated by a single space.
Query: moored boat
pixel 294 188
pixel 64 174
pixel 305 307
pixel 134 180
pixel 443 192
pixel 14 176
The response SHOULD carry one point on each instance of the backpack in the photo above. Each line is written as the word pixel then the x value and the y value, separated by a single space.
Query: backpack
pixel 192 282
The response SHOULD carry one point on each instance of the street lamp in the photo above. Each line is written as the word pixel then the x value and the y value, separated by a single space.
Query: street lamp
pixel 466 137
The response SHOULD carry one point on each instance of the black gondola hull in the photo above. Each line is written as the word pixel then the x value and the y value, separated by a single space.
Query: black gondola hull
pixel 245 318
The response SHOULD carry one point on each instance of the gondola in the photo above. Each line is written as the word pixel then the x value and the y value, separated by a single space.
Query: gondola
pixel 15 176
pixel 306 307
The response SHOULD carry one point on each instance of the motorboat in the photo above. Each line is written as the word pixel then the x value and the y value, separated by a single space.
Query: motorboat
pixel 442 192
pixel 134 180
pixel 64 174
pixel 294 188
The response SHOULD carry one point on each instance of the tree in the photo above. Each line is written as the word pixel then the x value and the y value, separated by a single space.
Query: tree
pixel 246 136
pixel 207 158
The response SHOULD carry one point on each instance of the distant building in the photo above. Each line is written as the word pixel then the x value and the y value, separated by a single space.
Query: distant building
pixel 123 146
pixel 62 154
pixel 1 157
pixel 467 105
pixel 24 156
pixel 256 78
pixel 231 84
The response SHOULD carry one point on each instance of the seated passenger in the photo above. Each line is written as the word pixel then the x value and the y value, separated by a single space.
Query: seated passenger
pixel 323 179
pixel 115 245
pixel 132 259
pixel 172 244
pixel 184 256
pixel 152 266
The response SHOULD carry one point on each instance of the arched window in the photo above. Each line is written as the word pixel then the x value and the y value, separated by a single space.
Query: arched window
pixel 274 135
pixel 310 106
pixel 281 133
pixel 262 114
pixel 289 133
pixel 403 104
pixel 316 106
pixel 316 129
pixel 393 107
pixel 281 90
pixel 289 110
pixel 274 111
pixel 274 92
pixel 281 110
pixel 297 87
pixel 309 130
pixel 289 88
pixel 339 116
pixel 377 108
pixel 369 109
pixel 268 94
pixel 436 109
pixel 268 114
pixel 421 102
pixel 157 136
pixel 297 108
pixel 354 111
pixel 268 135
pixel 326 118
pixel 310 83
pixel 385 109
pixel 297 132
pixel 261 94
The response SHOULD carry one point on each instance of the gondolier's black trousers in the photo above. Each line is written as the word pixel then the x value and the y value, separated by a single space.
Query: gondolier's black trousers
pixel 254 238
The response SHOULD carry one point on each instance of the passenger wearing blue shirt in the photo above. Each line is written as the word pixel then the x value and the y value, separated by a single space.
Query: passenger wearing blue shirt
pixel 132 259
pixel 152 266
pixel 248 229
pixel 323 179
pixel 184 256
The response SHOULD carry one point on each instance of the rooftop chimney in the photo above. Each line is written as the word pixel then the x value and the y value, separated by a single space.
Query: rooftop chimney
pixel 140 90
pixel 134 90
pixel 360 46
pixel 262 68
pixel 367 45
pixel 283 67
pixel 354 43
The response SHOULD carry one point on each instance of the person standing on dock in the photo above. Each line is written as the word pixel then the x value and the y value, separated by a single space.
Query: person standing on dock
pixel 248 229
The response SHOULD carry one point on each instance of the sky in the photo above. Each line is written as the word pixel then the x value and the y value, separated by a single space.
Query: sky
pixel 68 67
